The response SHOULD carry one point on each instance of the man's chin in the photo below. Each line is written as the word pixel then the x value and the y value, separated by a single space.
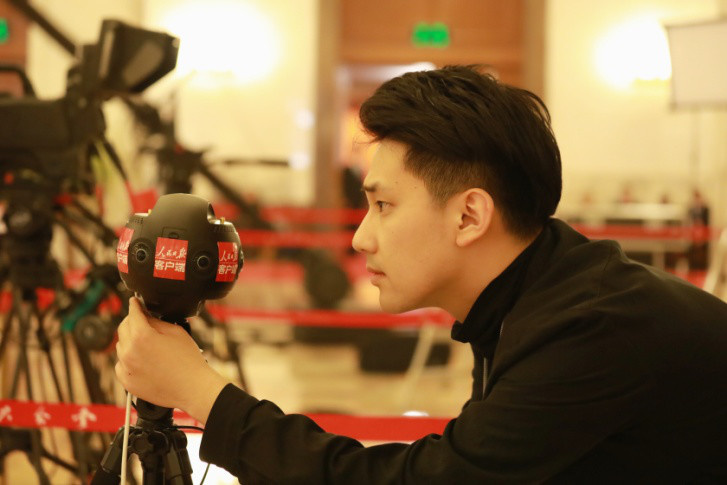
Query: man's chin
pixel 390 305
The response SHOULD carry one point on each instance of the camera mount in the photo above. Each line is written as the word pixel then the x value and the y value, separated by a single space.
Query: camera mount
pixel 174 258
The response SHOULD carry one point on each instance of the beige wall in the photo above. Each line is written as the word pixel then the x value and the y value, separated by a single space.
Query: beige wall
pixel 612 136
pixel 269 117
pixel 233 117
pixel 609 136
pixel 80 20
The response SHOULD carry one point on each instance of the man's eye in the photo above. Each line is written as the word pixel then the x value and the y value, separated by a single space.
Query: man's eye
pixel 381 205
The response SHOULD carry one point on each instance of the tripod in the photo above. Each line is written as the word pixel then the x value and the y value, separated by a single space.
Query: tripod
pixel 27 440
pixel 160 446
pixel 27 266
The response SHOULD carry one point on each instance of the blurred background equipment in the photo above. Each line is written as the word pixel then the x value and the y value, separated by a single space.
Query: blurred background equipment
pixel 46 151
pixel 325 280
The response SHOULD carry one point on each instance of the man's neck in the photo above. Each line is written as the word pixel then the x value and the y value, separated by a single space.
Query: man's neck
pixel 480 266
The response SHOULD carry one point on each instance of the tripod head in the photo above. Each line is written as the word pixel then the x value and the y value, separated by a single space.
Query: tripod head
pixel 179 255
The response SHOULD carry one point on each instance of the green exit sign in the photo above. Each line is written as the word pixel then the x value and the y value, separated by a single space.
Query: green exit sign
pixel 430 35
pixel 4 30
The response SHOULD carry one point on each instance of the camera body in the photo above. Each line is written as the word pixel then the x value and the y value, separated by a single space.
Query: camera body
pixel 50 138
pixel 179 255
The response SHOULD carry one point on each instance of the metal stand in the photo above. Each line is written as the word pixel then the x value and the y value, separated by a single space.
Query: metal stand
pixel 29 440
pixel 160 446
pixel 26 264
pixel 326 281
pixel 232 348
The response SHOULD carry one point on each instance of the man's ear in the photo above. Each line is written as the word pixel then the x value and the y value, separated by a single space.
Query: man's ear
pixel 475 212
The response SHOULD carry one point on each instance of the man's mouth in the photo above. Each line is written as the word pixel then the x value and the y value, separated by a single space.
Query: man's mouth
pixel 374 271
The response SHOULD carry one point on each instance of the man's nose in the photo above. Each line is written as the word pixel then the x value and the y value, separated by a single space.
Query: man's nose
pixel 363 239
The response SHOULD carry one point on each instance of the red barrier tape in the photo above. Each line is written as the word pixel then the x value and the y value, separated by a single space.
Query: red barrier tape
pixel 108 418
pixel 667 233
pixel 306 215
pixel 296 215
pixel 45 297
pixel 332 318
pixel 382 428
pixel 296 239
pixel 76 417
pixel 315 318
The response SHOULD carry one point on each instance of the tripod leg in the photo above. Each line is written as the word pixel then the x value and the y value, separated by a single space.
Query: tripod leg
pixel 80 444
pixel 91 376
pixel 79 449
pixel 105 437
pixel 61 462
pixel 7 324
pixel 35 455
pixel 232 349
pixel 234 352
pixel 44 343
pixel 25 440
pixel 109 471
pixel 176 462
pixel 6 331
pixel 152 467
pixel 36 451
pixel 22 358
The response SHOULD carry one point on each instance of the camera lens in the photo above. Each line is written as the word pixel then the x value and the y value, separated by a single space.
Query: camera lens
pixel 141 255
pixel 203 262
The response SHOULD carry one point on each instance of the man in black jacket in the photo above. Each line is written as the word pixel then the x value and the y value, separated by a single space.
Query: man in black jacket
pixel 589 368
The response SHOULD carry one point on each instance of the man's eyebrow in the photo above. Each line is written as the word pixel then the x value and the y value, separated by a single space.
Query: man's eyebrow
pixel 370 187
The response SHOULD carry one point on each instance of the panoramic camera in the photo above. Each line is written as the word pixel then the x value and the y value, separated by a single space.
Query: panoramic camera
pixel 179 255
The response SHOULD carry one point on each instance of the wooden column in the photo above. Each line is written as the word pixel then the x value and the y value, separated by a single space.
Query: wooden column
pixel 15 49
pixel 533 61
pixel 327 173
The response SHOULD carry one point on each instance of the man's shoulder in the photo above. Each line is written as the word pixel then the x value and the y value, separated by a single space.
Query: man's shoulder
pixel 591 278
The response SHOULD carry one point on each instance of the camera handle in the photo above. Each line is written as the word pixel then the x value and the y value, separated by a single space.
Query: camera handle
pixel 24 80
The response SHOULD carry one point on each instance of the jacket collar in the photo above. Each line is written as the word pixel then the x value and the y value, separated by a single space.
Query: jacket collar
pixel 481 327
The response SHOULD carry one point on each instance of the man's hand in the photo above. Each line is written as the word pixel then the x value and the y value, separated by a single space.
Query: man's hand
pixel 159 362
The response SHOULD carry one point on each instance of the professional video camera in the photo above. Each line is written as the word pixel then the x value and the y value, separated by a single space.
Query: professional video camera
pixel 46 148
pixel 46 145
pixel 50 136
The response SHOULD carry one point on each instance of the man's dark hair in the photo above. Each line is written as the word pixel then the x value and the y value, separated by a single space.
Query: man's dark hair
pixel 464 129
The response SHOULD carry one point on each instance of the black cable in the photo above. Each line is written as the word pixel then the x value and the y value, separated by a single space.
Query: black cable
pixel 207 468
pixel 188 427
pixel 107 234
pixel 205 474
pixel 115 158
pixel 76 242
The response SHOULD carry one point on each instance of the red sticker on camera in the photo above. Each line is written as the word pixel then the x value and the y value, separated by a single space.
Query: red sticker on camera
pixel 122 249
pixel 227 269
pixel 171 258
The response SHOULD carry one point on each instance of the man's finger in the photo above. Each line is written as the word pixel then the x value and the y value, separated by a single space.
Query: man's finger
pixel 138 319
pixel 123 328
pixel 121 373
pixel 135 307
pixel 165 328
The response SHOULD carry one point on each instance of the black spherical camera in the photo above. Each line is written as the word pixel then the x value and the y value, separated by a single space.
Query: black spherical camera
pixel 179 255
